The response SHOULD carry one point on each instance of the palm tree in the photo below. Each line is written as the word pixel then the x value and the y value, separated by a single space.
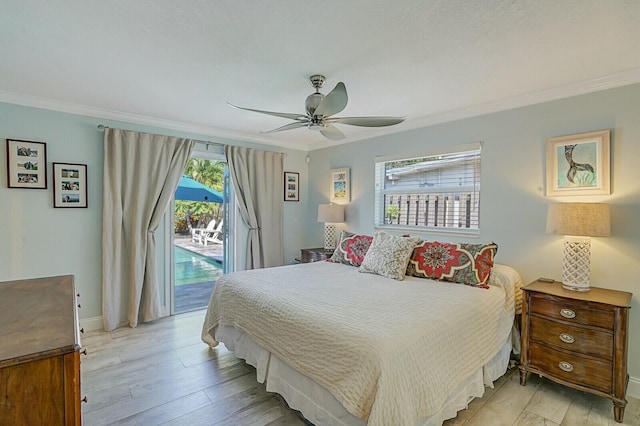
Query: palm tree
pixel 209 173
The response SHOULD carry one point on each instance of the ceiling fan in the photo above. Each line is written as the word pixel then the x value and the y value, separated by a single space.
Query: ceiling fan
pixel 321 108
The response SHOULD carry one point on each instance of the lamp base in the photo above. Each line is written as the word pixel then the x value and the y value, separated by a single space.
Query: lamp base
pixel 572 288
pixel 329 236
pixel 576 263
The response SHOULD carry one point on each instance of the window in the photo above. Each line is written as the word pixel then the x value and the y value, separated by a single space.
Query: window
pixel 438 192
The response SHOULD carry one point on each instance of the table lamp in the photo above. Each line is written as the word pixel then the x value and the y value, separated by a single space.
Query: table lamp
pixel 330 214
pixel 578 222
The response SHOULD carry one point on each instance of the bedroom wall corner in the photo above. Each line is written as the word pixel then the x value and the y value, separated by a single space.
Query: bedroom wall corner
pixel 296 219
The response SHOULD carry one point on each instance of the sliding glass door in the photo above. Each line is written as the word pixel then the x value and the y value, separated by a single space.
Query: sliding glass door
pixel 200 237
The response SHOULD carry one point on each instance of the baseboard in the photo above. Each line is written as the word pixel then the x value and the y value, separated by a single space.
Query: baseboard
pixel 633 389
pixel 91 324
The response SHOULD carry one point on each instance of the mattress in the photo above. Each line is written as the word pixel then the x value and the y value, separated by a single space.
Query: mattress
pixel 387 351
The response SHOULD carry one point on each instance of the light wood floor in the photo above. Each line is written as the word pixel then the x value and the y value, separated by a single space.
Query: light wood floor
pixel 163 374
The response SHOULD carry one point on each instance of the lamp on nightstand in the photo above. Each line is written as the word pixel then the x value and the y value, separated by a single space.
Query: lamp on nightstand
pixel 330 214
pixel 578 222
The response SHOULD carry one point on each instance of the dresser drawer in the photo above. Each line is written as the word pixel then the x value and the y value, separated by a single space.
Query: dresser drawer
pixel 583 371
pixel 560 309
pixel 573 338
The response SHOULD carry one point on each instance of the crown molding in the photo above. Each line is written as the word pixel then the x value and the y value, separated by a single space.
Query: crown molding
pixel 611 81
pixel 106 114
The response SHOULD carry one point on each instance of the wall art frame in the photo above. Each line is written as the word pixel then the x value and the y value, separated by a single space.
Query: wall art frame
pixel 339 191
pixel 26 164
pixel 291 186
pixel 579 164
pixel 70 185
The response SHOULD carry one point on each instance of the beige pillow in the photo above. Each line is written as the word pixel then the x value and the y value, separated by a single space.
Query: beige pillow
pixel 388 255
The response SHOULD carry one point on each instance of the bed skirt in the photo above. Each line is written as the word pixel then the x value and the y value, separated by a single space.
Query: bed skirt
pixel 321 408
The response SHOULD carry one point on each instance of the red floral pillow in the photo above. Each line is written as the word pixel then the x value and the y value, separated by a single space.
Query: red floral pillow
pixel 351 249
pixel 457 262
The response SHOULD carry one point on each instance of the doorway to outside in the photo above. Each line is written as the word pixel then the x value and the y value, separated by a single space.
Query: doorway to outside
pixel 200 237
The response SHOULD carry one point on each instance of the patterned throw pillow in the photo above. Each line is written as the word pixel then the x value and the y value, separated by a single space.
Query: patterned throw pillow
pixel 351 248
pixel 457 262
pixel 388 255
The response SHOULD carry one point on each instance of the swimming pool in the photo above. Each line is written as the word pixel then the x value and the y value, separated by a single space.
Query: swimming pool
pixel 193 268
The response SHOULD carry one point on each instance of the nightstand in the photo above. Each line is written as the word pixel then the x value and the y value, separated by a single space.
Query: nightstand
pixel 314 254
pixel 577 339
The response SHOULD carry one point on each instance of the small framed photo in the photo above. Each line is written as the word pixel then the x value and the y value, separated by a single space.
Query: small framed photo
pixel 291 186
pixel 339 189
pixel 26 164
pixel 579 164
pixel 69 185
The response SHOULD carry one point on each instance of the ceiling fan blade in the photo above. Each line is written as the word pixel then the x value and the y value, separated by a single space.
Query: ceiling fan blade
pixel 331 132
pixel 298 117
pixel 367 121
pixel 334 102
pixel 287 127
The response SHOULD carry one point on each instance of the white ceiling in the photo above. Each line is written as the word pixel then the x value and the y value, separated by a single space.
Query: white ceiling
pixel 175 63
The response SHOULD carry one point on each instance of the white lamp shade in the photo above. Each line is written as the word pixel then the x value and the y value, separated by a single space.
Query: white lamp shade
pixel 579 219
pixel 330 213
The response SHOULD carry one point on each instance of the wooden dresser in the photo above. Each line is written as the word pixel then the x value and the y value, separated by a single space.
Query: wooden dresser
pixel 314 254
pixel 39 352
pixel 578 339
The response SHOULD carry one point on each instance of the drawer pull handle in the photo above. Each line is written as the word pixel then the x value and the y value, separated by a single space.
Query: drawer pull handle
pixel 565 366
pixel 567 338
pixel 567 313
pixel 85 399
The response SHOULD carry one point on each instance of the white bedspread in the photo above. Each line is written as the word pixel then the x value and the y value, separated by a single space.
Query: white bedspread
pixel 389 351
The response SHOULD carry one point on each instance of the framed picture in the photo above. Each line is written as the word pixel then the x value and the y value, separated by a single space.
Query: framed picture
pixel 26 164
pixel 578 164
pixel 69 185
pixel 339 190
pixel 291 186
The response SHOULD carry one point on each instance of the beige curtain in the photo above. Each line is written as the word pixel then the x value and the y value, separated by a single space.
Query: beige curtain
pixel 141 174
pixel 257 181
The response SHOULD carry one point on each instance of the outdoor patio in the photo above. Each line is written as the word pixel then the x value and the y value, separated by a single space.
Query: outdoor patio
pixel 196 295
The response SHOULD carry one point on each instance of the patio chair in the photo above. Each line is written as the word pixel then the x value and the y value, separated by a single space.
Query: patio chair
pixel 198 234
pixel 215 236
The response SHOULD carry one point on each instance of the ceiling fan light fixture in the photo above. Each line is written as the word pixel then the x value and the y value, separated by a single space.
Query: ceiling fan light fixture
pixel 319 109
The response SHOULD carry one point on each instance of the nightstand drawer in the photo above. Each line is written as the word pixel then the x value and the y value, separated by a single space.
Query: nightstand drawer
pixel 573 338
pixel 314 255
pixel 572 367
pixel 558 308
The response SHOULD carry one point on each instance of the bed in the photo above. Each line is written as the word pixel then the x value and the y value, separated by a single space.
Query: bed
pixel 349 348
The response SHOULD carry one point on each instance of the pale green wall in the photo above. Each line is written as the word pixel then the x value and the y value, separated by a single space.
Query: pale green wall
pixel 513 205
pixel 37 240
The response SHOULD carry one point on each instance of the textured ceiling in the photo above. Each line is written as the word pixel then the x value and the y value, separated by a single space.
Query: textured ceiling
pixel 176 63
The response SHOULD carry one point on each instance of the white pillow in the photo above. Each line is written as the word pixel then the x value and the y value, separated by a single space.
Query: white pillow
pixel 388 255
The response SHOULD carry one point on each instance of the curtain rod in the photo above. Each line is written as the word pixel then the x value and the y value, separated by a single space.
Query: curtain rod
pixel 102 127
